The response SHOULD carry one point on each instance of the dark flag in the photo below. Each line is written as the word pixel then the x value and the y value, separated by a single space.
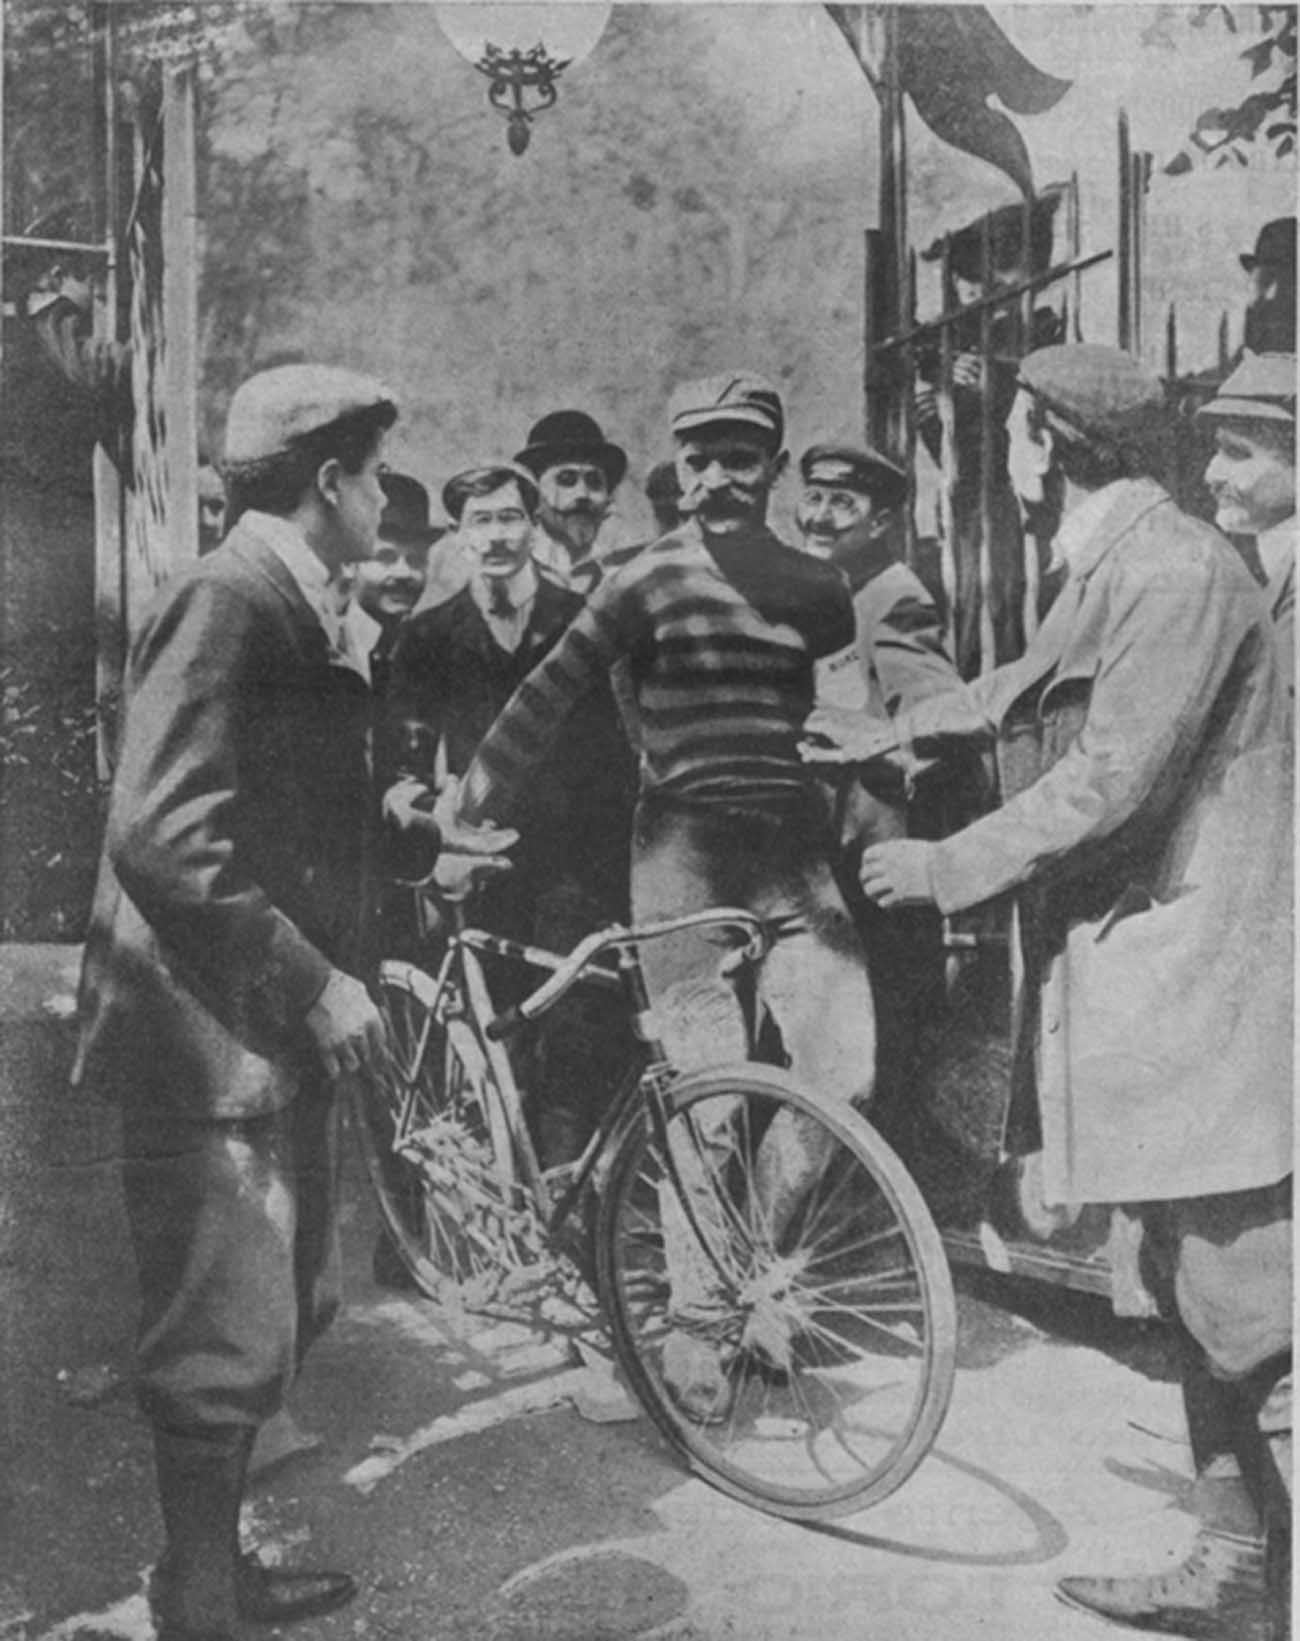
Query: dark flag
pixel 951 60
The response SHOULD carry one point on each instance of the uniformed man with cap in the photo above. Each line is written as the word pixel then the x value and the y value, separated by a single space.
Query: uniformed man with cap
pixel 577 471
pixel 719 625
pixel 1252 478
pixel 1144 749
pixel 222 995
pixel 849 513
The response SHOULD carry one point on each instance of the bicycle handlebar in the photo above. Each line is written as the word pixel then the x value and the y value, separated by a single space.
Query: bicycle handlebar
pixel 758 938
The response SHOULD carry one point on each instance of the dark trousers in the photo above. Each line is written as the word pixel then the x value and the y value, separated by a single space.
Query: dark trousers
pixel 235 1229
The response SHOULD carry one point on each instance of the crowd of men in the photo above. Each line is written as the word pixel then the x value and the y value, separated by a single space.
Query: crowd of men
pixel 712 716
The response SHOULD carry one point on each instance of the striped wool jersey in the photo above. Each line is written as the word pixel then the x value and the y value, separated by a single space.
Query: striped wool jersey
pixel 718 635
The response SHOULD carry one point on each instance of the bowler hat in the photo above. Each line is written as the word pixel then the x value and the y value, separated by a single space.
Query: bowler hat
pixel 405 517
pixel 1101 391
pixel 855 467
pixel 735 396
pixel 276 409
pixel 1261 389
pixel 572 436
pixel 1275 246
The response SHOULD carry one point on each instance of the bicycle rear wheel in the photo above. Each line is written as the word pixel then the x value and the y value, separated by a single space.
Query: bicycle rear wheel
pixel 438 1147
pixel 801 1251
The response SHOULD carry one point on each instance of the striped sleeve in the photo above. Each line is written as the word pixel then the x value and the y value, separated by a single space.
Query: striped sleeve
pixel 530 720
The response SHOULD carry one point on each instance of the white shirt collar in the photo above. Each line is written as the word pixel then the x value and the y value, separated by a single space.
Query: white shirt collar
pixel 289 545
pixel 521 587
pixel 1276 549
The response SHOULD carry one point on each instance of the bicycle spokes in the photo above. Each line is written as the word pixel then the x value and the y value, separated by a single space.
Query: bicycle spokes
pixel 792 1262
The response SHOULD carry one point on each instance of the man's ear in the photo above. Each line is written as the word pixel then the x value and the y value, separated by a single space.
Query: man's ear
pixel 779 464
pixel 328 480
pixel 881 523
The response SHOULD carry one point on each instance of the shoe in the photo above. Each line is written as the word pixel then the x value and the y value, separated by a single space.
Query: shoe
pixel 273 1595
pixel 1219 1593
pixel 696 1379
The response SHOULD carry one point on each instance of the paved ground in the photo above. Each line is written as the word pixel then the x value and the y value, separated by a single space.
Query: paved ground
pixel 477 1503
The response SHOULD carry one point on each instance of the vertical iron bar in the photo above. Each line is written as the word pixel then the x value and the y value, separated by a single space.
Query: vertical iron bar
pixel 988 655
pixel 1171 343
pixel 1124 260
pixel 180 314
pixel 1225 351
pixel 908 403
pixel 875 393
pixel 106 475
pixel 947 454
pixel 1076 242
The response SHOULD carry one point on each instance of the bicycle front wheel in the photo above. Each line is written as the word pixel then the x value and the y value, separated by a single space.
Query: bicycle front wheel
pixel 438 1146
pixel 787 1243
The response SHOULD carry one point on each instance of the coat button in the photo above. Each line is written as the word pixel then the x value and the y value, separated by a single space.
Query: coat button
pixel 1053 1024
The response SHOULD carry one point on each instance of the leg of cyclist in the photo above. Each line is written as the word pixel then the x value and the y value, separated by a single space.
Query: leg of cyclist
pixel 814 985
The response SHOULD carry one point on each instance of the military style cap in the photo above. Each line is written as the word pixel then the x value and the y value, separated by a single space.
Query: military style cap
pixel 855 467
pixel 275 409
pixel 1275 246
pixel 572 436
pixel 737 397
pixel 1261 389
pixel 1100 390
pixel 405 517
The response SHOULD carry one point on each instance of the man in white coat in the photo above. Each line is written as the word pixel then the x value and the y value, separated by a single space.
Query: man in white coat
pixel 1144 754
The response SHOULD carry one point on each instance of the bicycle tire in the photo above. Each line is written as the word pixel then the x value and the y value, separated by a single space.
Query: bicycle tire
pixel 443 1171
pixel 837 1326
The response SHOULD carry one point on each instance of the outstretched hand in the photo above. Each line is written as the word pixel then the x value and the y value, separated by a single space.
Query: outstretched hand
pixel 839 735
pixel 461 837
pixel 897 873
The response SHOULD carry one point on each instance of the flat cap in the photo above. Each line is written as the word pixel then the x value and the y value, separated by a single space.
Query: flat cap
pixel 1261 389
pixel 1101 391
pixel 272 411
pixel 855 467
pixel 737 396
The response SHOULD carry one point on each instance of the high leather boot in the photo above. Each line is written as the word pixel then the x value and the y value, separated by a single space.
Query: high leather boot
pixel 1219 1593
pixel 193 1593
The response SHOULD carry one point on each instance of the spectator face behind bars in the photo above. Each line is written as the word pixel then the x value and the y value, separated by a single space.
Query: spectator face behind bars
pixel 493 509
pixel 849 505
pixel 729 431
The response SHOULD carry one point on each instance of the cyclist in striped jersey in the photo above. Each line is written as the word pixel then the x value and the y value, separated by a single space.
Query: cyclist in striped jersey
pixel 717 627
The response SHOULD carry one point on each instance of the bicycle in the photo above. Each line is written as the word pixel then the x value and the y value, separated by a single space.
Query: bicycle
pixel 838 1322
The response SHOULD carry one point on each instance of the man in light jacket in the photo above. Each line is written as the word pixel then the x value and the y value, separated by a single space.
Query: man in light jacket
pixel 1145 760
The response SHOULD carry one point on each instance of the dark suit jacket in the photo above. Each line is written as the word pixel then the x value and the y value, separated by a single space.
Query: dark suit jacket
pixel 237 845
pixel 450 680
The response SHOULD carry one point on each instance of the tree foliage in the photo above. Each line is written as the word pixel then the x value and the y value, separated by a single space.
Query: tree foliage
pixel 1264 121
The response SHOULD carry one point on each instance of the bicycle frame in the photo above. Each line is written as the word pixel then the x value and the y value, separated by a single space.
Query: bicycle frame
pixel 478 1037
